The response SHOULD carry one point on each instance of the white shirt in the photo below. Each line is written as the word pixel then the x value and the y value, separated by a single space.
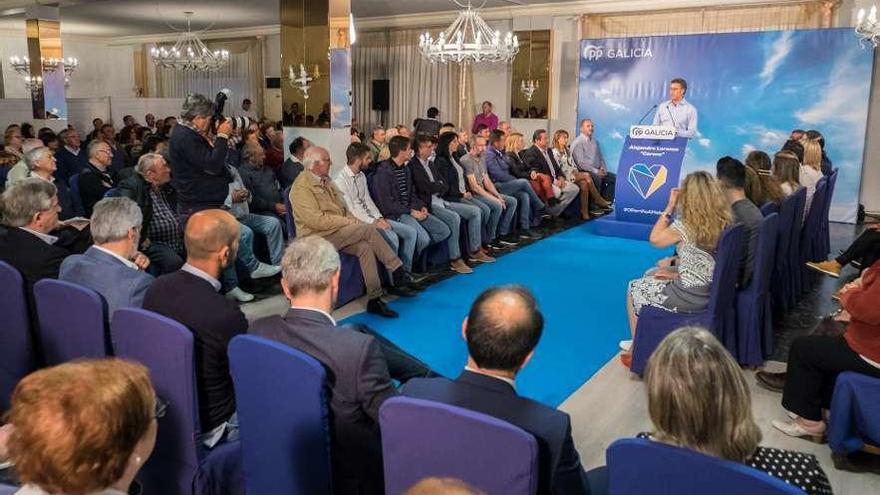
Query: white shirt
pixel 357 195
pixel 503 379
pixel 202 275
pixel 74 152
pixel 681 115
pixel 124 261
pixel 48 239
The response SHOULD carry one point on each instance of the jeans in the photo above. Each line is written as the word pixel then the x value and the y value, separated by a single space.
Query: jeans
pixel 401 366
pixel 429 231
pixel 163 259
pixel 452 221
pixel 529 203
pixel 402 239
pixel 489 217
pixel 471 214
pixel 270 227
pixel 245 259
pixel 501 219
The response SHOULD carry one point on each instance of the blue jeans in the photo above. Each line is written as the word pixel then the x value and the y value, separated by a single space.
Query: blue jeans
pixel 470 214
pixel 452 222
pixel 488 216
pixel 270 227
pixel 429 231
pixel 529 203
pixel 245 259
pixel 402 239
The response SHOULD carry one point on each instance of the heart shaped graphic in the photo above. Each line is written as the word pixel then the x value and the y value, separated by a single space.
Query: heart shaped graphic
pixel 647 180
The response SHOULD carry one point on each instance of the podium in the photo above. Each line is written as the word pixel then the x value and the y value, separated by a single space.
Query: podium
pixel 649 166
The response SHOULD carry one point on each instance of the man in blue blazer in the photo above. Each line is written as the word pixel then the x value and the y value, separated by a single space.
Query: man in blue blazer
pixel 112 267
pixel 502 330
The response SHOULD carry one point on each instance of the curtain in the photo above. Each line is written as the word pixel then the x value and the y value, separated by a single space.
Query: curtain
pixel 243 75
pixel 769 17
pixel 415 84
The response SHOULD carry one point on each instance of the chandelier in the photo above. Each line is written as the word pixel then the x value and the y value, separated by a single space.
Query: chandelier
pixel 35 84
pixel 189 53
pixel 22 65
pixel 469 40
pixel 867 28
pixel 528 86
pixel 301 81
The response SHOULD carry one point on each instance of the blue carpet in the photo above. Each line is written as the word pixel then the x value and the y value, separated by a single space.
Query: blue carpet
pixel 579 279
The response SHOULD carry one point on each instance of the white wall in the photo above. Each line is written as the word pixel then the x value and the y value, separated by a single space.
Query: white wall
pixel 272 68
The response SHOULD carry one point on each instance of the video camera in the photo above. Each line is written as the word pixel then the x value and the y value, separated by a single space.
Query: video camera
pixel 219 103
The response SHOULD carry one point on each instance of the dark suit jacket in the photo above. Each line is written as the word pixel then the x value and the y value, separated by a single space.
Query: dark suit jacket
pixel 214 321
pixel 93 184
pixel 517 166
pixel 560 470
pixel 386 195
pixel 70 164
pixel 33 258
pixel 533 158
pixel 288 172
pixel 450 176
pixel 120 285
pixel 359 383
pixel 137 189
pixel 425 187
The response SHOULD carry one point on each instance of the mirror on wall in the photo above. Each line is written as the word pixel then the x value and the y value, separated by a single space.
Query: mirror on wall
pixel 530 85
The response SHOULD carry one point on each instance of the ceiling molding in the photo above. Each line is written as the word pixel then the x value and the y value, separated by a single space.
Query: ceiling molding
pixel 248 32
pixel 12 33
pixel 546 9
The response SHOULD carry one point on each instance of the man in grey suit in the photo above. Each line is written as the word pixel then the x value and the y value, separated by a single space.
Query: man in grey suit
pixel 357 369
pixel 112 267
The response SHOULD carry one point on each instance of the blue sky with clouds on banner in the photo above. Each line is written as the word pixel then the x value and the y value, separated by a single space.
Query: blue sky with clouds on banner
pixel 750 90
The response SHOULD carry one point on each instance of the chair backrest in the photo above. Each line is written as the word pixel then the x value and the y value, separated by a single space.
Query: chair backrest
pixel 165 347
pixel 283 417
pixel 813 224
pixel 797 225
pixel 8 489
pixel 112 193
pixel 288 215
pixel 16 347
pixel 422 438
pixel 73 183
pixel 728 257
pixel 769 207
pixel 765 254
pixel 786 218
pixel 73 321
pixel 637 466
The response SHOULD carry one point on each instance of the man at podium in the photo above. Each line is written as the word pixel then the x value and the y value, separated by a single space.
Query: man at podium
pixel 676 111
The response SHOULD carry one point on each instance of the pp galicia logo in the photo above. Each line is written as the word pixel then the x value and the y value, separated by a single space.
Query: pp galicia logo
pixel 646 180
pixel 596 52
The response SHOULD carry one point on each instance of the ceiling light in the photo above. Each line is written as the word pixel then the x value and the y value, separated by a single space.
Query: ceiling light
pixel 469 40
pixel 189 53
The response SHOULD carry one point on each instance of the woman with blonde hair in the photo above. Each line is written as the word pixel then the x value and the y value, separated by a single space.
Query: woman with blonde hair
pixel 811 169
pixel 682 284
pixel 698 399
pixel 83 427
pixel 542 184
pixel 583 180
pixel 786 170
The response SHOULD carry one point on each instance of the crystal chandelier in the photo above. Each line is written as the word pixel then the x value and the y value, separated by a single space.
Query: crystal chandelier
pixel 22 65
pixel 35 84
pixel 469 40
pixel 529 86
pixel 867 28
pixel 189 53
pixel 302 80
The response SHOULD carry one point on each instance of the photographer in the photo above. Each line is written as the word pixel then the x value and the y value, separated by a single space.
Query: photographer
pixel 198 166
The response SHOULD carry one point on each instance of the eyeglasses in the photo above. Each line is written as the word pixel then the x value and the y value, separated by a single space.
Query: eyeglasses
pixel 161 408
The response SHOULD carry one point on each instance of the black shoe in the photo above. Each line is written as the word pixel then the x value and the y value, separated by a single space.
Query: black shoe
pixel 401 278
pixel 403 291
pixel 378 307
pixel 773 382
pixel 507 240
pixel 529 235
pixel 552 202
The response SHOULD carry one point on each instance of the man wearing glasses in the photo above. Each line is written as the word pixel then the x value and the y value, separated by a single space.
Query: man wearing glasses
pixel 97 178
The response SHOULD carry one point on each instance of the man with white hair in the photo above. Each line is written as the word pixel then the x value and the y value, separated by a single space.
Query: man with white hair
pixel 20 170
pixel 113 266
pixel 98 177
pixel 319 209
pixel 42 165
pixel 361 363
pixel 71 156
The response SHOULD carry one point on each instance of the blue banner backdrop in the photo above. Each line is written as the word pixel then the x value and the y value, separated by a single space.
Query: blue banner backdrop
pixel 751 90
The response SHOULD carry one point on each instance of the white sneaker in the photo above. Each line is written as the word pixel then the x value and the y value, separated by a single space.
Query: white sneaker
pixel 240 295
pixel 625 345
pixel 263 270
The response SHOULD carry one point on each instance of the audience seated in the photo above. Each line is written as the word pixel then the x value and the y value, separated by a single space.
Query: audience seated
pixel 293 166
pixel 587 156
pixel 30 213
pixel 814 361
pixel 357 361
pixel 509 175
pixel 442 486
pixel 817 136
pixel 811 169
pixel 83 427
pixel 864 251
pixel 584 181
pixel 117 156
pixel 275 152
pixel 431 186
pixel 191 296
pixel 698 399
pixel 497 215
pixel 98 176
pixel 560 192
pixel 766 188
pixel 377 144
pixel 42 165
pixel 161 236
pixel 731 175
pixel 429 126
pixel 485 118
pixel 112 267
pixel 72 158
pixel 786 170
pixel 352 183
pixel 265 193
pixel 7 161
pixel 682 283
pixel 319 209
pixel 20 170
pixel 502 330
pixel 395 195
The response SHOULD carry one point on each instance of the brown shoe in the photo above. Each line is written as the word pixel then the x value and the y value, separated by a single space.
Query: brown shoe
pixel 836 296
pixel 459 266
pixel 773 382
pixel 829 267
pixel 482 257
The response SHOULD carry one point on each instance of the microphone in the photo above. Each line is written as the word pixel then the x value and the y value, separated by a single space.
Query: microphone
pixel 648 112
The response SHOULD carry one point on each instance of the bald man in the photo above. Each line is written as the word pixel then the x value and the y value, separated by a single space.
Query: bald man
pixel 191 296
pixel 502 329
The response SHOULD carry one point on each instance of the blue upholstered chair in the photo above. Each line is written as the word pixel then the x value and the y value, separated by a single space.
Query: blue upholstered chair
pixel 73 321
pixel 780 285
pixel 282 416
pixel 769 207
pixel 16 346
pixel 655 323
pixel 423 438
pixel 754 322
pixel 638 466
pixel 855 413
pixel 795 273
